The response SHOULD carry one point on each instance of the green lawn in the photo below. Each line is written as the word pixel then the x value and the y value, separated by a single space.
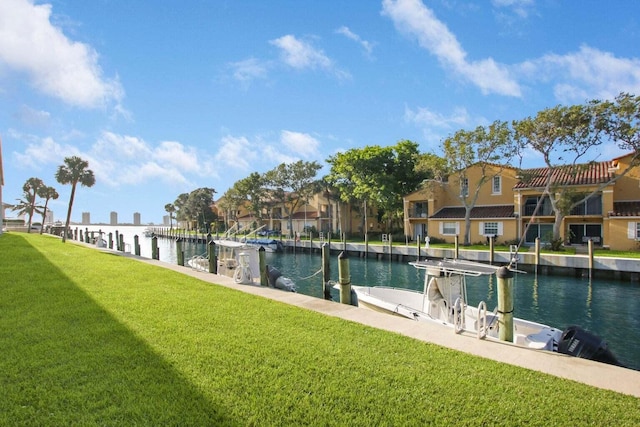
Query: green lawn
pixel 91 338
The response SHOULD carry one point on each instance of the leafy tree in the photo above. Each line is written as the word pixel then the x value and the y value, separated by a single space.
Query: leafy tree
pixel 170 209
pixel 230 202
pixel 46 193
pixel 292 184
pixel 74 171
pixel 31 188
pixel 200 202
pixel 563 136
pixel 182 209
pixel 376 177
pixel 253 190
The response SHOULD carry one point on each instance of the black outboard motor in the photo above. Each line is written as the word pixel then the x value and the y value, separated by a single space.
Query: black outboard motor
pixel 577 342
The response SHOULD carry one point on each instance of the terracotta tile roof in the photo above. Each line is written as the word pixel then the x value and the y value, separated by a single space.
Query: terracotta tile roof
pixel 478 212
pixel 626 209
pixel 586 174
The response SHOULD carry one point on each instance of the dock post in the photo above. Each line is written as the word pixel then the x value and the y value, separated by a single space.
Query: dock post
pixel 366 245
pixel 505 304
pixel 75 234
pixel 211 254
pixel 344 242
pixel 86 235
pixel 537 254
pixel 344 278
pixel 121 245
pixel 179 251
pixel 326 272
pixel 390 247
pixel 264 279
pixel 590 245
pixel 136 245
pixel 456 247
pixel 81 236
pixel 418 249
pixel 491 249
pixel 154 247
pixel 117 240
pixel 110 240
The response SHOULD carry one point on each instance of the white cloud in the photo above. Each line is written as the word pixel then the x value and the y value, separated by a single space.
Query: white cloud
pixel 121 147
pixel 519 7
pixel 236 153
pixel 301 55
pixel 425 117
pixel 248 70
pixel 585 74
pixel 56 65
pixel 176 154
pixel 302 144
pixel 32 117
pixel 367 46
pixel 413 18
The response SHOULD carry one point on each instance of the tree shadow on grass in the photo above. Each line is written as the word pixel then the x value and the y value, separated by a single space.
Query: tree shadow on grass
pixel 67 361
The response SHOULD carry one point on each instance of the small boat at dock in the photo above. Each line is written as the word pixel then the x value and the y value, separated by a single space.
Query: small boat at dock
pixel 241 261
pixel 443 301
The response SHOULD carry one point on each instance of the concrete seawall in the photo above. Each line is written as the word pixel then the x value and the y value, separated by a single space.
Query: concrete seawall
pixel 626 269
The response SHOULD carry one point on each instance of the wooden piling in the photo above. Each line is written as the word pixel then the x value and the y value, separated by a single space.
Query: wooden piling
pixel 491 250
pixel 121 244
pixel 456 247
pixel 537 254
pixel 326 272
pixel 110 240
pixel 590 246
pixel 155 254
pixel 505 304
pixel 136 245
pixel 211 253
pixel 344 278
pixel 264 279
pixel 179 251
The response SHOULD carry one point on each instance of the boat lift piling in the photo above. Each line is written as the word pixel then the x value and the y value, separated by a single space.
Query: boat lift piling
pixel 110 240
pixel 344 278
pixel 326 271
pixel 505 304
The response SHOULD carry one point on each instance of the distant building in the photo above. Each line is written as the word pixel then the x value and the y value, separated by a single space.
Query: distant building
pixel 86 218
pixel 114 218
pixel 136 218
pixel 48 219
pixel 166 220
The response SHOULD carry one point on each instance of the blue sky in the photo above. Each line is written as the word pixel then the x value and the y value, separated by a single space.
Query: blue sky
pixel 168 96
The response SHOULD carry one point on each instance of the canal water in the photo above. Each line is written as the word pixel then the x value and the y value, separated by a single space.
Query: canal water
pixel 610 309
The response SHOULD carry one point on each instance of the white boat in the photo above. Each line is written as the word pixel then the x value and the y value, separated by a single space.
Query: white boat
pixel 269 245
pixel 443 301
pixel 240 261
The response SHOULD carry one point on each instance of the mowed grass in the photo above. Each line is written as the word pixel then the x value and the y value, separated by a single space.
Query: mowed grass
pixel 92 338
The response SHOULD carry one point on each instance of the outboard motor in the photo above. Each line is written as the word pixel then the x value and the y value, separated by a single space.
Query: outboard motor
pixel 578 342
pixel 276 280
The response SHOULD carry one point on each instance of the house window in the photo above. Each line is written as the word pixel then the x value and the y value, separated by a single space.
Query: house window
pixel 464 187
pixel 420 210
pixel 591 206
pixel 545 208
pixel 490 229
pixel 634 231
pixel 497 185
pixel 450 228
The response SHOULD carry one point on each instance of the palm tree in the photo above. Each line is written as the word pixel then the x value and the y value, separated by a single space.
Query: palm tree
pixel 23 206
pixel 170 209
pixel 46 193
pixel 74 171
pixel 31 188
